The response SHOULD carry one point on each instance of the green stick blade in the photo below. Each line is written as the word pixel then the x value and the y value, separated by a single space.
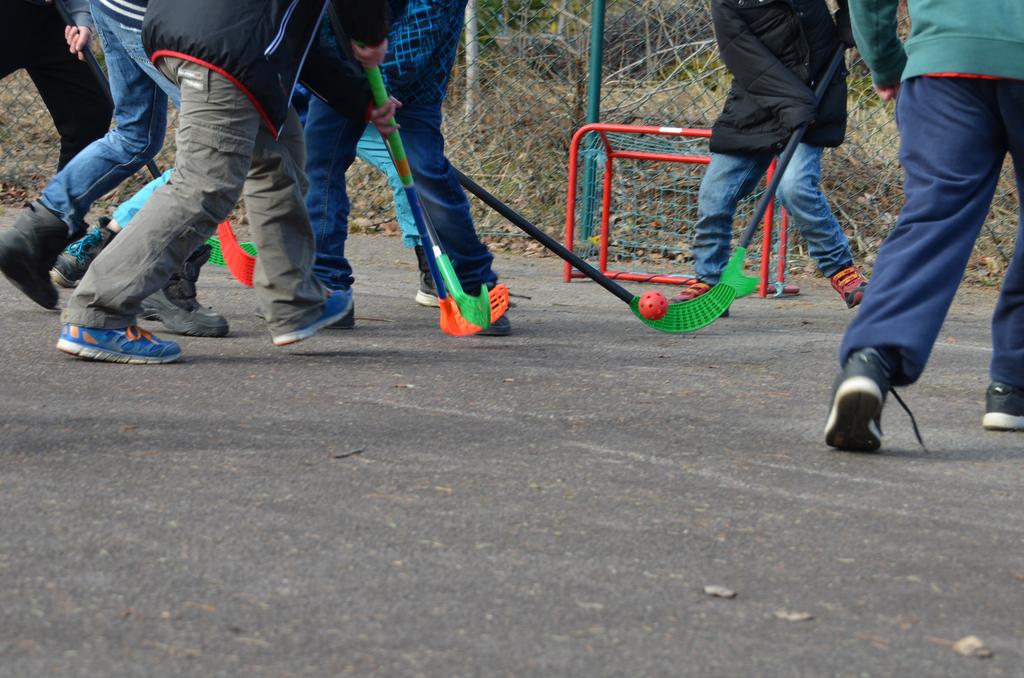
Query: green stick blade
pixel 689 316
pixel 734 277
pixel 476 310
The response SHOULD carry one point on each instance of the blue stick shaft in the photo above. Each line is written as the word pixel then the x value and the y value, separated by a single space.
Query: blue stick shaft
pixel 425 242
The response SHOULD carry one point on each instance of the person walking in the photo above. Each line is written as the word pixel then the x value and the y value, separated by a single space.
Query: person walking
pixel 960 109
pixel 236 63
pixel 776 51
pixel 32 249
pixel 33 37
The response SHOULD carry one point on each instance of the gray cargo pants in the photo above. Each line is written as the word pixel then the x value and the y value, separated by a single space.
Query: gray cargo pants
pixel 222 144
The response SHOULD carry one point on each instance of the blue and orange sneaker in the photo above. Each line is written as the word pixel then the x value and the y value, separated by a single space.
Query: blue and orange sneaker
pixel 336 305
pixel 127 345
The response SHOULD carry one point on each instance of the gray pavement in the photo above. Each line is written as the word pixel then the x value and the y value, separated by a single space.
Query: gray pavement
pixel 391 501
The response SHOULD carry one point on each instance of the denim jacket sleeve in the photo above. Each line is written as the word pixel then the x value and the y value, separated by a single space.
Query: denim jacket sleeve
pixel 79 12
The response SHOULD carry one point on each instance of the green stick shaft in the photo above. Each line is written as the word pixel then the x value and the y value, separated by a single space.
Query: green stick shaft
pixel 380 97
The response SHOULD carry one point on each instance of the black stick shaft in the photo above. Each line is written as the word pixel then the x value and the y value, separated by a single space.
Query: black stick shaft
pixel 788 152
pixel 543 238
pixel 97 73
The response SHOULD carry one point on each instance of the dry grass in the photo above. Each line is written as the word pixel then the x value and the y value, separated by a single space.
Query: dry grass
pixel 516 145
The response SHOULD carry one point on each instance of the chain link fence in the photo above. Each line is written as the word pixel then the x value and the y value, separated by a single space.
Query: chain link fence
pixel 29 146
pixel 518 93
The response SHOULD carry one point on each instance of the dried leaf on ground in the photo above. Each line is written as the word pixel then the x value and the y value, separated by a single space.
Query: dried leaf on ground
pixel 971 646
pixel 793 615
pixel 719 592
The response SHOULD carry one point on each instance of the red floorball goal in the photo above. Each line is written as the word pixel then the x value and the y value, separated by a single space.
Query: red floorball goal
pixel 632 205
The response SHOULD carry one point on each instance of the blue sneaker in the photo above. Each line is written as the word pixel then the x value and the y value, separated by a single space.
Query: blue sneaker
pixel 128 345
pixel 336 305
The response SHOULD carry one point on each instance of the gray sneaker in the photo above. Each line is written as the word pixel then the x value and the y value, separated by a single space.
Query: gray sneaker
pixel 426 295
pixel 176 307
pixel 76 258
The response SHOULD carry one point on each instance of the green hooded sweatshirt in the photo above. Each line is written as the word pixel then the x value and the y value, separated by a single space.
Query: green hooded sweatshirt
pixel 976 37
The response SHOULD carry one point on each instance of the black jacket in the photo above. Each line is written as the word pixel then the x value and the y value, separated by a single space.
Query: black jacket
pixel 776 51
pixel 261 45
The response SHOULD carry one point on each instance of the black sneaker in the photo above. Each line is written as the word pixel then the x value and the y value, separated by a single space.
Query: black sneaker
pixel 854 423
pixel 74 261
pixel 176 307
pixel 426 295
pixel 499 328
pixel 28 250
pixel 348 321
pixel 1004 408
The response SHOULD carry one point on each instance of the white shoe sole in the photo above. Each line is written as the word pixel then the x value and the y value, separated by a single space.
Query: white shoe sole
pixel 851 422
pixel 1000 421
pixel 98 354
pixel 424 299
pixel 296 336
pixel 60 281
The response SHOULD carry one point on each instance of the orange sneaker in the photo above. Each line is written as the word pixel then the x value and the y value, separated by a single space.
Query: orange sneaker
pixel 850 283
pixel 692 291
pixel 695 289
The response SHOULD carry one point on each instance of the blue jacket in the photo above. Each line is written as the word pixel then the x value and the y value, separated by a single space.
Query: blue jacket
pixel 421 50
pixel 422 44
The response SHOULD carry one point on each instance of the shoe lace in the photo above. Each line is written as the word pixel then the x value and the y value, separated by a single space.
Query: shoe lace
pixel 913 421
pixel 82 249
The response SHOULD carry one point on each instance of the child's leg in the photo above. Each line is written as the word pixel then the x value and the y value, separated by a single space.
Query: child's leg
pixel 373 150
pixel 444 201
pixel 952 146
pixel 215 135
pixel 140 115
pixel 1008 320
pixel 290 295
pixel 79 108
pixel 331 147
pixel 809 209
pixel 729 179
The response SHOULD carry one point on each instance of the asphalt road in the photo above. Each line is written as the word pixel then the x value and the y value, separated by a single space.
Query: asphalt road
pixel 390 501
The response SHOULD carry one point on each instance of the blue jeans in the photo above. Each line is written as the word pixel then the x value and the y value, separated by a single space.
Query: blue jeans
pixel 331 142
pixel 730 178
pixel 140 116
pixel 954 136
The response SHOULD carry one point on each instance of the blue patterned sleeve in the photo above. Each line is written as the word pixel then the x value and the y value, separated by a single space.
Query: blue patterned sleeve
pixel 422 45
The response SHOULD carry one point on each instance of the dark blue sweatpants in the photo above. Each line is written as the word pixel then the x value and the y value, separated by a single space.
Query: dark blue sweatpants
pixel 954 135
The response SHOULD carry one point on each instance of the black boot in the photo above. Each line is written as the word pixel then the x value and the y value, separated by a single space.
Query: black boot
pixel 426 295
pixel 28 251
pixel 176 306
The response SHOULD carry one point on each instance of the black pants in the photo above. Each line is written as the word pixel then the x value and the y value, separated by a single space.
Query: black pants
pixel 32 37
